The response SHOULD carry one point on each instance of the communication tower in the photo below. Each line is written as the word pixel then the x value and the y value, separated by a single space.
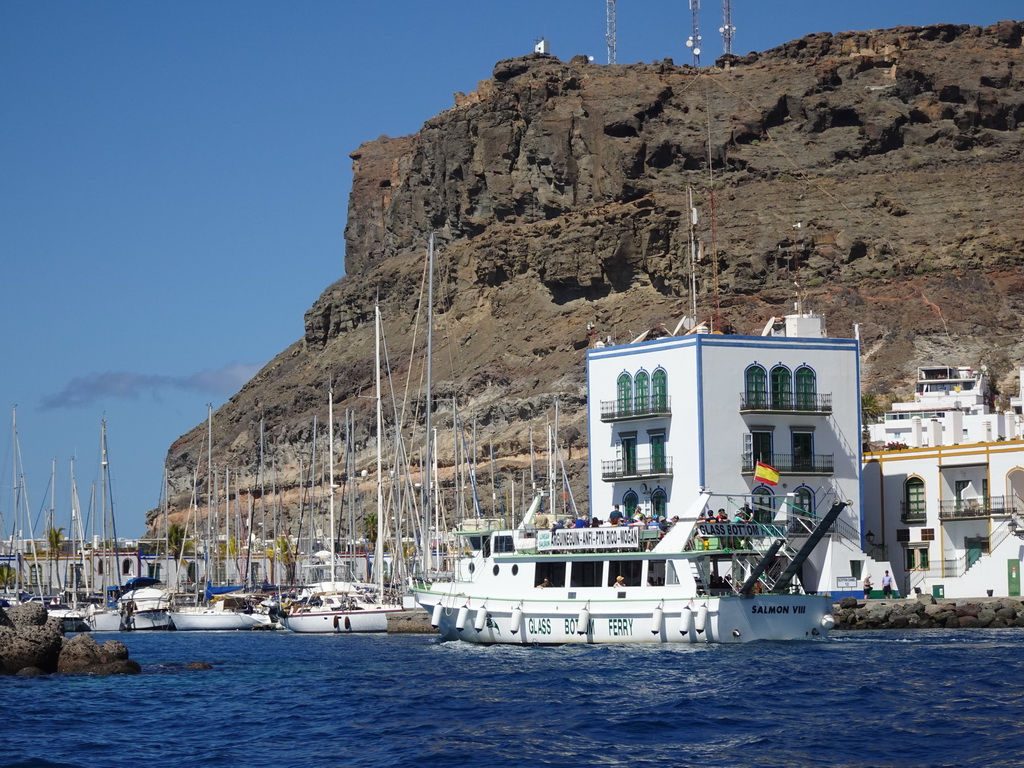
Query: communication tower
pixel 609 34
pixel 694 42
pixel 727 29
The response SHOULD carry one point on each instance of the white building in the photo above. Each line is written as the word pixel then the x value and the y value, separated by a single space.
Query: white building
pixel 946 517
pixel 951 405
pixel 673 415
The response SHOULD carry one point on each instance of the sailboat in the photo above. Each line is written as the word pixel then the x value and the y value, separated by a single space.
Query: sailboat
pixel 340 607
pixel 136 605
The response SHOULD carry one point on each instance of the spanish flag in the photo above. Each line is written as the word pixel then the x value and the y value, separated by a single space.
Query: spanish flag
pixel 765 474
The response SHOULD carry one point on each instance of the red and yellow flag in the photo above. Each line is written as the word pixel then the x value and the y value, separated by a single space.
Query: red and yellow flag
pixel 766 474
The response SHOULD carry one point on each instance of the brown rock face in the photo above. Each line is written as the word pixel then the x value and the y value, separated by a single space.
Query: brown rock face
pixel 881 171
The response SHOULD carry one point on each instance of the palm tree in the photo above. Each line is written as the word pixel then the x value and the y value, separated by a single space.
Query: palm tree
pixel 7 576
pixel 871 408
pixel 54 537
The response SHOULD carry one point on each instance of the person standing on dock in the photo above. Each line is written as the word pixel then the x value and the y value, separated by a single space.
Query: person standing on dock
pixel 867 586
pixel 887 585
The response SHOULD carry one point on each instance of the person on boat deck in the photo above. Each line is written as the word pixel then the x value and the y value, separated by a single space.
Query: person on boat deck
pixel 639 522
pixel 721 516
pixel 595 522
pixel 615 516
pixel 619 581
pixel 557 525
pixel 544 584
pixel 580 523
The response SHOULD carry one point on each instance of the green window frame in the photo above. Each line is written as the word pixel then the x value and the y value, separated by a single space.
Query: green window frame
pixel 756 387
pixel 806 388
pixel 913 496
pixel 642 392
pixel 630 501
pixel 659 382
pixel 782 388
pixel 625 393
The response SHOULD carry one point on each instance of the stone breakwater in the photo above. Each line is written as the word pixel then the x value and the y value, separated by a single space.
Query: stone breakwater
pixel 927 612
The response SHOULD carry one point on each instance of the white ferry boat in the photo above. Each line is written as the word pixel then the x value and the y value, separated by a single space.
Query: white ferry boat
pixel 699 582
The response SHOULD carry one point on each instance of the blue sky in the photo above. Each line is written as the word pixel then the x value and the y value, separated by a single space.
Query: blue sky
pixel 174 179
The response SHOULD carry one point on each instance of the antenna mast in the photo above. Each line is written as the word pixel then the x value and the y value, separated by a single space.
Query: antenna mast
pixel 694 41
pixel 727 29
pixel 609 34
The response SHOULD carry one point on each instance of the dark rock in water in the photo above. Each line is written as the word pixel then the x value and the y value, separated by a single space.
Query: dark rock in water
pixel 82 655
pixel 198 665
pixel 27 614
pixel 31 644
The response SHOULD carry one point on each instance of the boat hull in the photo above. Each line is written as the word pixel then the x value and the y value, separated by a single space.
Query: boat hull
pixel 338 622
pixel 729 619
pixel 213 621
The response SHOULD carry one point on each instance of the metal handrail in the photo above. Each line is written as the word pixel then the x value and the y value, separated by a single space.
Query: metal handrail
pixel 786 402
pixel 817 464
pixel 651 467
pixel 613 410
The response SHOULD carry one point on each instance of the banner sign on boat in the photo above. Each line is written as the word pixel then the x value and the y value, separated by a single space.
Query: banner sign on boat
pixel 589 538
pixel 729 529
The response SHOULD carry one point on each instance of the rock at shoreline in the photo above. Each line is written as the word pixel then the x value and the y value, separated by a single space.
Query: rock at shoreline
pixel 926 612
pixel 32 644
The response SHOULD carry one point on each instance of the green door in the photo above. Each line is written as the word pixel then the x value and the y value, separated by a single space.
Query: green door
pixel 1013 578
pixel 973 551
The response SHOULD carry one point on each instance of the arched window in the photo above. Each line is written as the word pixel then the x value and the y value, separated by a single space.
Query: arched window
pixel 643 392
pixel 803 501
pixel 630 502
pixel 756 389
pixel 763 501
pixel 660 386
pixel 782 388
pixel 913 499
pixel 625 394
pixel 35 575
pixel 126 567
pixel 659 504
pixel 806 389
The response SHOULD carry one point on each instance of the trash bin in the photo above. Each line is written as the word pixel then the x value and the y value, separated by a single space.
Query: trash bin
pixel 938 590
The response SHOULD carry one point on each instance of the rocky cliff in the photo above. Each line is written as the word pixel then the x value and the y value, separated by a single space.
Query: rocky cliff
pixel 881 172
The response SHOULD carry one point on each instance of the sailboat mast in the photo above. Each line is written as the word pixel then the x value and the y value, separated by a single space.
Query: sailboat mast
pixel 425 499
pixel 330 471
pixel 378 554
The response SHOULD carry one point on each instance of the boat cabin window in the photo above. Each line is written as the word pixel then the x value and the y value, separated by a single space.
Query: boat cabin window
pixel 480 542
pixel 630 570
pixel 586 573
pixel 671 575
pixel 553 572
pixel 656 573
pixel 503 545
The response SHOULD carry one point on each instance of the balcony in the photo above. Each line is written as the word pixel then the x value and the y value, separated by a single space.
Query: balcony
pixel 975 507
pixel 620 410
pixel 913 512
pixel 787 463
pixel 764 402
pixel 638 468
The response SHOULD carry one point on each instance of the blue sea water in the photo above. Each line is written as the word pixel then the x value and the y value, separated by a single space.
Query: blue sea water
pixel 884 698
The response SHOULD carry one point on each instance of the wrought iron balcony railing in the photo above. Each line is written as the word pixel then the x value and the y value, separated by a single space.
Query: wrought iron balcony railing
pixel 765 402
pixel 644 408
pixel 978 506
pixel 816 464
pixel 620 469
